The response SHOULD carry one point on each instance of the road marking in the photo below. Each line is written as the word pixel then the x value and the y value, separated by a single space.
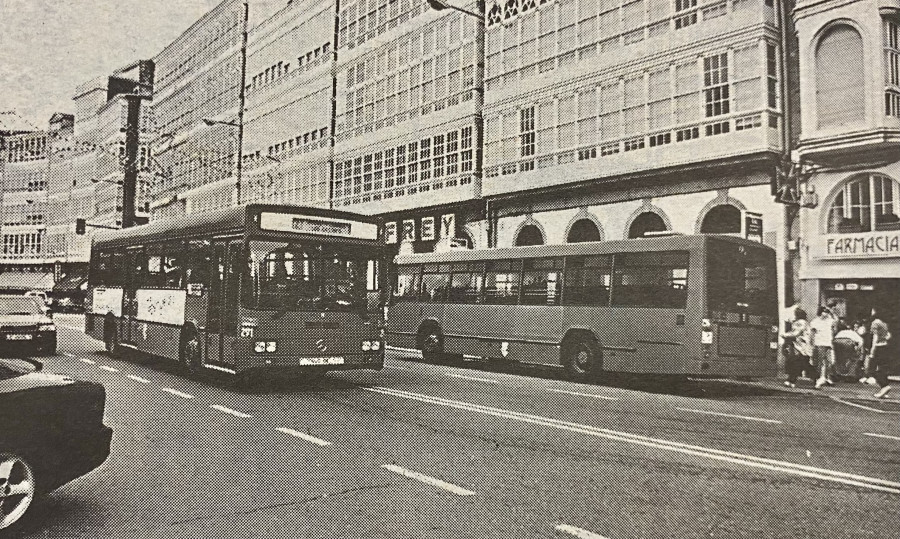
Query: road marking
pixel 304 436
pixel 449 487
pixel 657 443
pixel 747 417
pixel 578 532
pixel 882 436
pixel 177 393
pixel 235 413
pixel 218 368
pixel 474 378
pixel 139 379
pixel 108 369
pixel 398 368
pixel 68 354
pixel 876 410
pixel 604 397
pixel 88 361
pixel 401 349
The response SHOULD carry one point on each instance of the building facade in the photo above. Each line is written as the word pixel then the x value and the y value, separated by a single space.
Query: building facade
pixel 849 242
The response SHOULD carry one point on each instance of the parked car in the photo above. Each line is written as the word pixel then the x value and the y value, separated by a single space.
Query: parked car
pixel 26 326
pixel 52 432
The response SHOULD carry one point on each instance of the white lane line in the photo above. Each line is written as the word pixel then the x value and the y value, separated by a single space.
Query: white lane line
pixel 449 487
pixel 398 368
pixel 604 397
pixel 578 532
pixel 747 417
pixel 88 361
pixel 108 369
pixel 885 436
pixel 68 354
pixel 855 405
pixel 139 379
pixel 474 378
pixel 304 436
pixel 235 413
pixel 177 393
pixel 792 468
pixel 218 368
pixel 401 349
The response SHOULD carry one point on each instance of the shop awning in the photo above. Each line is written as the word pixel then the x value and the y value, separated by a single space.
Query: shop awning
pixel 70 283
pixel 25 281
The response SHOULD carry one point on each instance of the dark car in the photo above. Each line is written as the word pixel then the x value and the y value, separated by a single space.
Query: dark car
pixel 26 326
pixel 51 432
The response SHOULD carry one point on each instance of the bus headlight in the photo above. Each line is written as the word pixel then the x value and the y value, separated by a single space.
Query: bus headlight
pixel 366 346
pixel 376 345
pixel 271 346
pixel 259 347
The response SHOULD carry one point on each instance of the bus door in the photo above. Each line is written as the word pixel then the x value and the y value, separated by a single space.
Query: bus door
pixel 223 301
pixel 135 261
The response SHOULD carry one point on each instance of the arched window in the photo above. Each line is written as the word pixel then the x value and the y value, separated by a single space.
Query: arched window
pixel 529 235
pixel 840 88
pixel 646 222
pixel 722 219
pixel 865 203
pixel 583 230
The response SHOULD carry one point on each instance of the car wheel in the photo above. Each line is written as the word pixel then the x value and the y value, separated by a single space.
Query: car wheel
pixel 192 351
pixel 17 489
pixel 581 359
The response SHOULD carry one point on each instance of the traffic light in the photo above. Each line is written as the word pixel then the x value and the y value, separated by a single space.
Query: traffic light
pixel 80 225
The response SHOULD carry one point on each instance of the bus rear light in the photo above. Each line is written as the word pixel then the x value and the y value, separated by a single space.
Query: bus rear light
pixel 706 337
pixel 706 323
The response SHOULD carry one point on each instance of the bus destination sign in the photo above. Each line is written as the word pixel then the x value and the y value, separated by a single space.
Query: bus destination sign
pixel 323 226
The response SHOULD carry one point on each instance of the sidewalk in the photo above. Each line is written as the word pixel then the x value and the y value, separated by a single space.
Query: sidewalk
pixel 842 390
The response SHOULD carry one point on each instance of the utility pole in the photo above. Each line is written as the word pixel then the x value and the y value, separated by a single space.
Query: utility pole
pixel 129 183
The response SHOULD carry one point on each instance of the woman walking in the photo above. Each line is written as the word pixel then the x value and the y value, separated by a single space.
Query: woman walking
pixel 881 363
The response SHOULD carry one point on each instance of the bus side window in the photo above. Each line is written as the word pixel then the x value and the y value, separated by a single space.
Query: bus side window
pixel 542 281
pixel 501 282
pixel 435 283
pixel 117 268
pixel 651 279
pixel 136 268
pixel 155 276
pixel 172 262
pixel 198 261
pixel 100 269
pixel 587 280
pixel 466 283
pixel 407 287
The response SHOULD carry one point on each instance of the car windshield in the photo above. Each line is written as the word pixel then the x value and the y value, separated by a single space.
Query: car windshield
pixel 741 279
pixel 19 306
pixel 11 368
pixel 306 276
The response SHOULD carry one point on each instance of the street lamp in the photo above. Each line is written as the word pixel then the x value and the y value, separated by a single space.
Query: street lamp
pixel 96 180
pixel 439 5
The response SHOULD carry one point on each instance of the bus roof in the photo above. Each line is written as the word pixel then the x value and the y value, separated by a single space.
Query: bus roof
pixel 218 222
pixel 664 243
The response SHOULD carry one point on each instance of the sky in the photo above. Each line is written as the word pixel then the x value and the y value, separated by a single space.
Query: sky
pixel 49 47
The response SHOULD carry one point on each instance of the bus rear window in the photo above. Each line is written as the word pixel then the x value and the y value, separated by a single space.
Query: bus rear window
pixel 740 279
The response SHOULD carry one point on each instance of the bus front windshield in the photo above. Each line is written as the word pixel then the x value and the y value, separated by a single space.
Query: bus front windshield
pixel 741 279
pixel 305 276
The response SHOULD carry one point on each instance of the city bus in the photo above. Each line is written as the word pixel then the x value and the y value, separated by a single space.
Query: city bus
pixel 248 287
pixel 698 305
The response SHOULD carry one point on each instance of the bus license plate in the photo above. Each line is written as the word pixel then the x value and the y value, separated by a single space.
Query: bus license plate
pixel 337 360
pixel 19 337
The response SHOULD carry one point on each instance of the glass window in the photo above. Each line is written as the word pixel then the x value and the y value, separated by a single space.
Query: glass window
pixel 501 282
pixel 651 279
pixel 407 287
pixel 542 281
pixel 198 261
pixel 740 279
pixel 435 283
pixel 467 283
pixel 866 203
pixel 587 280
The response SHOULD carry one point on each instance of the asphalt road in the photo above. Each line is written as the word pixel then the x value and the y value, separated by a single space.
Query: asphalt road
pixel 429 451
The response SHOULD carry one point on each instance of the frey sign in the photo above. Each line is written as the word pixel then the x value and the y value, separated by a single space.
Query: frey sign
pixel 862 245
pixel 423 229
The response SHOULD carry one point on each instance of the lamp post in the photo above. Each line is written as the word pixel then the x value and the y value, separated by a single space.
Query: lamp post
pixel 238 165
pixel 478 143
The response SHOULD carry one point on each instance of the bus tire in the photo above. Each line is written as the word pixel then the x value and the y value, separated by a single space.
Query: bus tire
pixel 582 358
pixel 190 351
pixel 430 341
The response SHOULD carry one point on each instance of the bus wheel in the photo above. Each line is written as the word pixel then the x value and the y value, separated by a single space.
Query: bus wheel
pixel 191 350
pixel 581 359
pixel 431 343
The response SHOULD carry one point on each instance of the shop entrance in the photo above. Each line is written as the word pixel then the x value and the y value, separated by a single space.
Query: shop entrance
pixel 855 299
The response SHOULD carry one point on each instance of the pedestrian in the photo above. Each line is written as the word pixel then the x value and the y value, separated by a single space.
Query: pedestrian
pixel 880 362
pixel 822 335
pixel 863 330
pixel 800 348
pixel 848 349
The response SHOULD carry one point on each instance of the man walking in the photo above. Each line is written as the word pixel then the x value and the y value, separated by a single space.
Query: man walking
pixel 822 333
